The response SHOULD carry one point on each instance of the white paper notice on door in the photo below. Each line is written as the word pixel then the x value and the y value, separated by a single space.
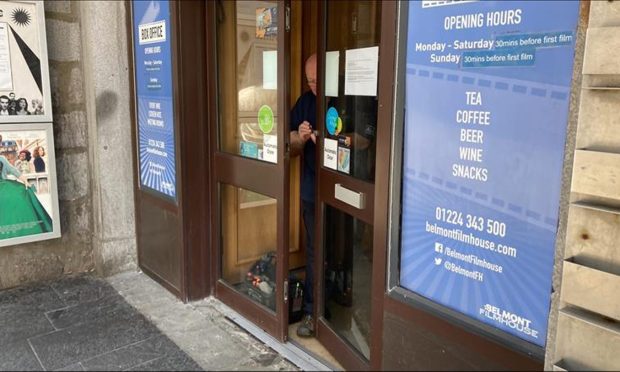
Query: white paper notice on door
pixel 361 72
pixel 270 69
pixel 270 148
pixel 6 79
pixel 332 61
pixel 330 154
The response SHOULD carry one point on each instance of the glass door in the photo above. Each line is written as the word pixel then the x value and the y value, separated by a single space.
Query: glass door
pixel 348 106
pixel 250 169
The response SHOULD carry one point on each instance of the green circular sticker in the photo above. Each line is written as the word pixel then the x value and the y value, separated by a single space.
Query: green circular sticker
pixel 265 119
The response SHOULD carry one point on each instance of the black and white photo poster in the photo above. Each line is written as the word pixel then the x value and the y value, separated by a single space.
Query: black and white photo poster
pixel 24 76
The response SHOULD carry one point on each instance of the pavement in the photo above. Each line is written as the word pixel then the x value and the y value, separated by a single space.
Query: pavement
pixel 124 322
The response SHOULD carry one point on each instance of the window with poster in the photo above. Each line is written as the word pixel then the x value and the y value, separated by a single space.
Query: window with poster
pixel 483 111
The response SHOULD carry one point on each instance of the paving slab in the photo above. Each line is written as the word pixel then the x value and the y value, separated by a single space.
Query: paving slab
pixel 18 356
pixel 112 306
pixel 72 367
pixel 37 297
pixel 125 322
pixel 159 364
pixel 18 322
pixel 139 354
pixel 80 323
pixel 83 288
pixel 198 328
pixel 87 340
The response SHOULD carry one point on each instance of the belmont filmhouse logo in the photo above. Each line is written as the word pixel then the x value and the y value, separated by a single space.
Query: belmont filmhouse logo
pixel 509 319
pixel 436 3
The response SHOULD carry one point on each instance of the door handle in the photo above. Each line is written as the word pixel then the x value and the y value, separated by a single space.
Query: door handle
pixel 350 197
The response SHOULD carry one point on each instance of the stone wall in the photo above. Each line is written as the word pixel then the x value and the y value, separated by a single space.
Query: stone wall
pixel 587 325
pixel 87 50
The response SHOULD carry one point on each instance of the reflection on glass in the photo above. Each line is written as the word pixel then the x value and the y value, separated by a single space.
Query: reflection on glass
pixel 247 73
pixel 352 25
pixel 249 241
pixel 348 274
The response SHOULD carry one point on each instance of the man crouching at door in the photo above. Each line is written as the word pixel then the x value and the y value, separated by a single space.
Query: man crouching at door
pixel 303 141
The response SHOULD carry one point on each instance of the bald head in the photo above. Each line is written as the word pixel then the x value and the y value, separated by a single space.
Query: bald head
pixel 311 72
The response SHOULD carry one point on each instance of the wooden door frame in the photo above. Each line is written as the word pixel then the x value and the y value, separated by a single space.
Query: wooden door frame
pixel 189 81
pixel 377 194
pixel 385 114
pixel 194 151
pixel 248 173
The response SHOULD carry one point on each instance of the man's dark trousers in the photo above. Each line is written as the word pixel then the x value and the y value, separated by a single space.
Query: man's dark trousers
pixel 308 214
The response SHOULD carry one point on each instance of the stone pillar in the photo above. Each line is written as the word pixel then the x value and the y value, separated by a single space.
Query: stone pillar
pixel 104 42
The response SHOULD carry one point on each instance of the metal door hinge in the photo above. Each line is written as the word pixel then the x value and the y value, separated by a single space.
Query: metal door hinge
pixel 288 18
pixel 285 291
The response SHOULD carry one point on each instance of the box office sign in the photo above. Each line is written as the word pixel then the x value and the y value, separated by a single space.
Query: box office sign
pixel 487 95
pixel 154 96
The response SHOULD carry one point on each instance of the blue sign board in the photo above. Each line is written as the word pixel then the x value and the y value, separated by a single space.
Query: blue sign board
pixel 487 96
pixel 153 69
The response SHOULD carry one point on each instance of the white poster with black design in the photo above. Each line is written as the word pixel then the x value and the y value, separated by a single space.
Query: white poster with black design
pixel 24 74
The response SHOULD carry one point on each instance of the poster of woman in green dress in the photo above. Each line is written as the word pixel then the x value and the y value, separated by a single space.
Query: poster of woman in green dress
pixel 27 203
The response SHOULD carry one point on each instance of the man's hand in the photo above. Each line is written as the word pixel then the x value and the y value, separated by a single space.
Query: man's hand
pixel 300 136
pixel 305 131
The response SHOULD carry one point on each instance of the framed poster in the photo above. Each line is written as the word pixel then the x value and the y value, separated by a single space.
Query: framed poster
pixel 28 188
pixel 487 93
pixel 154 97
pixel 24 75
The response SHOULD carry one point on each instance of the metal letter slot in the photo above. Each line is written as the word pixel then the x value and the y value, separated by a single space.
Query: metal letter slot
pixel 354 199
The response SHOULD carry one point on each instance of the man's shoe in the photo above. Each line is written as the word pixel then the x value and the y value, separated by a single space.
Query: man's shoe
pixel 306 328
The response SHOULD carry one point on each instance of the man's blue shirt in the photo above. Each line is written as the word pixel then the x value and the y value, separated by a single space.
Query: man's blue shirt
pixel 305 109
